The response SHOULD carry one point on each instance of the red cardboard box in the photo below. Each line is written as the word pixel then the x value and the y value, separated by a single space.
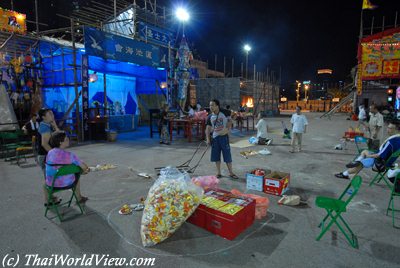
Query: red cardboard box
pixel 276 183
pixel 352 134
pixel 223 224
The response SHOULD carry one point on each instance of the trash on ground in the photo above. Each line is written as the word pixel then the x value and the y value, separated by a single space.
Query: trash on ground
pixel 102 167
pixel 246 154
pixel 289 200
pixel 264 151
pixel 144 175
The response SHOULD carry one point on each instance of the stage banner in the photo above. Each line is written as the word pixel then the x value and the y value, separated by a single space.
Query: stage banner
pixel 11 21
pixel 359 80
pixel 381 57
pixel 115 47
pixel 85 96
pixel 154 34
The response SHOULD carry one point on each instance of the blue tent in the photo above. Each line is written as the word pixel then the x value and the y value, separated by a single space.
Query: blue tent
pixel 124 80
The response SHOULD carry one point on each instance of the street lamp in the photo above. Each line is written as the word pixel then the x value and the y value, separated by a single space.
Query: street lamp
pixel 298 90
pixel 183 16
pixel 305 91
pixel 247 49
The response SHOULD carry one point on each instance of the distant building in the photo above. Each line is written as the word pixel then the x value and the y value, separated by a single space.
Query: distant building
pixel 203 71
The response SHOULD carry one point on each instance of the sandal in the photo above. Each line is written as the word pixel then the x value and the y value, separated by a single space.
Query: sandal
pixel 218 176
pixel 233 176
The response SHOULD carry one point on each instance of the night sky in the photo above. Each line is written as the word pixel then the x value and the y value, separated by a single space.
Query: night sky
pixel 297 36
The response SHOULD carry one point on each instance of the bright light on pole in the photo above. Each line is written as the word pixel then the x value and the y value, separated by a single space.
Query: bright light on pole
pixel 305 91
pixel 247 49
pixel 298 91
pixel 183 16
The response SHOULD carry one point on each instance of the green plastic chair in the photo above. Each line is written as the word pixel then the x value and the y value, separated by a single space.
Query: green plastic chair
pixel 335 207
pixel 381 174
pixel 9 143
pixel 394 194
pixel 62 171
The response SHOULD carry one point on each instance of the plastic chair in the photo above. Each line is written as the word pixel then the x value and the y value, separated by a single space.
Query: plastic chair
pixel 334 208
pixel 9 143
pixel 381 174
pixel 64 170
pixel 393 194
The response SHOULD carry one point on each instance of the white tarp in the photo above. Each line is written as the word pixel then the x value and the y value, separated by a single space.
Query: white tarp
pixel 8 120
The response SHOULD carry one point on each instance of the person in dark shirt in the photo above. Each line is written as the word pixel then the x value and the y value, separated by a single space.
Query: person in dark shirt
pixel 46 127
pixel 32 126
pixel 163 125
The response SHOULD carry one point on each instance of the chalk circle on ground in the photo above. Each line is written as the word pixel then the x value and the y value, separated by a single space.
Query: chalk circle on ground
pixel 189 240
pixel 363 206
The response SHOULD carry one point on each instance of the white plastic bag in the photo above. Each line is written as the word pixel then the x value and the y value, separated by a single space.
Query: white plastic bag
pixel 289 200
pixel 170 201
pixel 264 151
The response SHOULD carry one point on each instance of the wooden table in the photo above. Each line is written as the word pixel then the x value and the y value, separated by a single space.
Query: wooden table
pixel 187 124
pixel 245 118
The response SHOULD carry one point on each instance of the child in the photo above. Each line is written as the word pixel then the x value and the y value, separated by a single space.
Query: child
pixel 262 130
pixel 163 125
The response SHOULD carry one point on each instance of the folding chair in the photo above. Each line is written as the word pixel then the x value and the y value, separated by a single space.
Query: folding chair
pixel 334 208
pixel 9 143
pixel 361 143
pixel 62 171
pixel 381 174
pixel 395 192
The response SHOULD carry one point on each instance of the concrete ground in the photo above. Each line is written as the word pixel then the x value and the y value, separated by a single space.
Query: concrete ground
pixel 286 238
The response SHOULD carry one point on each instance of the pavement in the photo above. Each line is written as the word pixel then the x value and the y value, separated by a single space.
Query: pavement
pixel 285 238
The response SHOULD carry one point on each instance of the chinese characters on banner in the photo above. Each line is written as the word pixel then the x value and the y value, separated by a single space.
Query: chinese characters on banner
pixel 155 35
pixel 380 57
pixel 12 21
pixel 391 67
pixel 115 47
pixel 85 96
